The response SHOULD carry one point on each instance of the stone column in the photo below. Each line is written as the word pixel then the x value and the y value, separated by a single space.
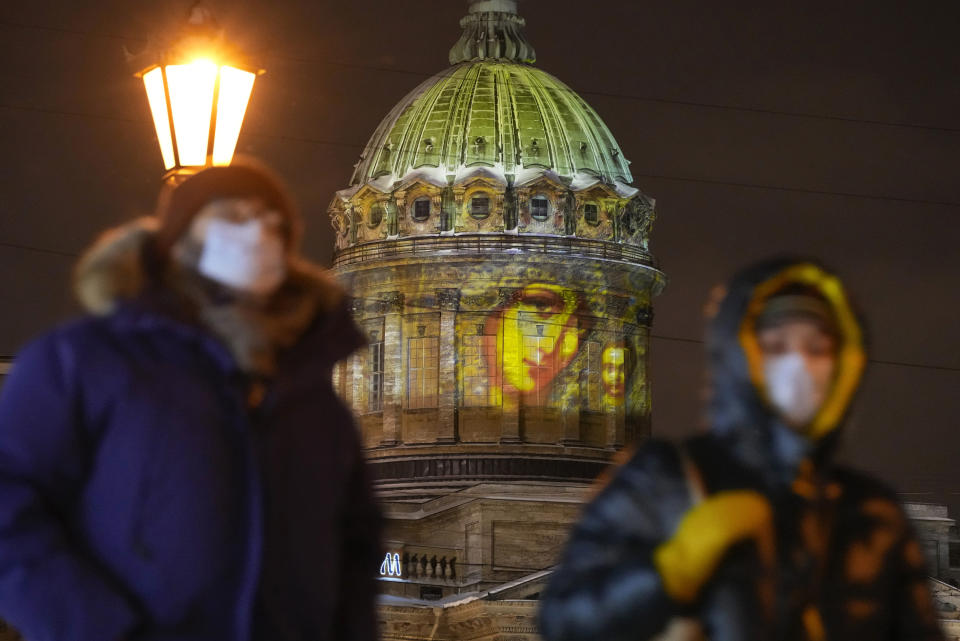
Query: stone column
pixel 355 382
pixel 436 203
pixel 353 221
pixel 510 417
pixel 400 225
pixel 510 209
pixel 350 376
pixel 448 300
pixel 617 309
pixel 571 426
pixel 458 194
pixel 615 427
pixel 393 369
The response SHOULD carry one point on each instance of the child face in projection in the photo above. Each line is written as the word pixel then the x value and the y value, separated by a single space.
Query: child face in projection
pixel 612 363
pixel 539 336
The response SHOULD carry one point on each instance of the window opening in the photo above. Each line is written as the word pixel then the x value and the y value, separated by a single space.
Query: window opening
pixel 375 399
pixel 591 213
pixel 476 381
pixel 376 215
pixel 540 207
pixel 421 209
pixel 422 372
pixel 480 207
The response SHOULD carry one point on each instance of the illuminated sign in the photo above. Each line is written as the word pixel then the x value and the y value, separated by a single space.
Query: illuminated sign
pixel 391 565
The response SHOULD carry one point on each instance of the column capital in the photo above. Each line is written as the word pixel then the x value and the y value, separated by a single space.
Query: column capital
pixel 448 298
pixel 391 302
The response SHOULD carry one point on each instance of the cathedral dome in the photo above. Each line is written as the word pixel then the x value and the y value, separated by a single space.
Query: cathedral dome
pixel 499 116
pixel 497 260
pixel 492 145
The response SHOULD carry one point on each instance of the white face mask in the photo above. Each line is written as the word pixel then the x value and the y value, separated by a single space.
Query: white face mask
pixel 791 388
pixel 248 256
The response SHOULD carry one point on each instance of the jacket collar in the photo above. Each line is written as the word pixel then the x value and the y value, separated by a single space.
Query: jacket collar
pixel 121 275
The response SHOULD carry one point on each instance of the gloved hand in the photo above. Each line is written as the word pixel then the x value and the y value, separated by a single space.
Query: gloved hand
pixel 688 559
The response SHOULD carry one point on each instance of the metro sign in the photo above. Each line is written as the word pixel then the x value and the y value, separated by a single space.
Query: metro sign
pixel 391 565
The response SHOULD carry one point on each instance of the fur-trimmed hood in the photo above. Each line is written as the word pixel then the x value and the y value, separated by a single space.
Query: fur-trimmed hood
pixel 121 268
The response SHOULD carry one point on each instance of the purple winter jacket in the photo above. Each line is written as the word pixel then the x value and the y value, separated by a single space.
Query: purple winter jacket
pixel 141 499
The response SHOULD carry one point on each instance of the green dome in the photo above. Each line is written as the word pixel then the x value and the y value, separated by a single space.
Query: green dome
pixel 492 146
pixel 488 113
pixel 493 109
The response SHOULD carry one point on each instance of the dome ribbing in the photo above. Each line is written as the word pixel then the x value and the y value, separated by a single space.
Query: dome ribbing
pixel 490 113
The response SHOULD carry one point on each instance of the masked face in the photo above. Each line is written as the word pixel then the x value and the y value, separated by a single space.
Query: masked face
pixel 241 245
pixel 798 365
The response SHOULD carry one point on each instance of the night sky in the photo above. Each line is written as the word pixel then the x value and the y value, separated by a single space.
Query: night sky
pixel 802 126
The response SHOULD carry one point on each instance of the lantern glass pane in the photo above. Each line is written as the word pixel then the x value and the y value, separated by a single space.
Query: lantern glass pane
pixel 191 100
pixel 235 88
pixel 153 81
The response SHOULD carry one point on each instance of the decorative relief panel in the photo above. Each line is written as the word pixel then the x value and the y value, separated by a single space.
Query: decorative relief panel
pixel 636 222
pixel 482 301
pixel 420 206
pixel 542 207
pixel 481 207
pixel 595 213
pixel 448 298
pixel 340 221
pixel 390 302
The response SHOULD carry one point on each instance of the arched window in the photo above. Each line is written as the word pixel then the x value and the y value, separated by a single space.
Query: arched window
pixel 421 209
pixel 376 216
pixel 540 207
pixel 480 206
pixel 591 213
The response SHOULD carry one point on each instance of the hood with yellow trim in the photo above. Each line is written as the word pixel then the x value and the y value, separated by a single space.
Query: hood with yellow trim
pixel 738 407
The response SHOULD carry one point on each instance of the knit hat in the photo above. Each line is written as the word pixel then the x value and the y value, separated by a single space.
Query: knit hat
pixel 798 303
pixel 243 179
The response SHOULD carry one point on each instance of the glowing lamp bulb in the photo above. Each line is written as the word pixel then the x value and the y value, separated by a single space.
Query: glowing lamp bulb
pixel 197 110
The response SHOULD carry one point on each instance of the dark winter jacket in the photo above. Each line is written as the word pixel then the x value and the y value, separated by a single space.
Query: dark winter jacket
pixel 847 565
pixel 142 496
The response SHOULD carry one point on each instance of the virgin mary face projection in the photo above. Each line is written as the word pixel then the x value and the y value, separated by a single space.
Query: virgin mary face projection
pixel 529 341
pixel 618 364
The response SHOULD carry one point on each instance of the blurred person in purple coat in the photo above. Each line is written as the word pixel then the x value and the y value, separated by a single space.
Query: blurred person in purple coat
pixel 175 465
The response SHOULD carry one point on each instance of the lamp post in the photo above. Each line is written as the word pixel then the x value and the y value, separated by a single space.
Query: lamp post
pixel 198 89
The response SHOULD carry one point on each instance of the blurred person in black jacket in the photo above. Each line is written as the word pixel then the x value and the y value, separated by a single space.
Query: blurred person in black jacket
pixel 751 531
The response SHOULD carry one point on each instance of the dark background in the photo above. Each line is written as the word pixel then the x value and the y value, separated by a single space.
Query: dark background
pixel 760 127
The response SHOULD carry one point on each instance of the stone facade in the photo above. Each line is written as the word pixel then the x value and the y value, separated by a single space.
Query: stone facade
pixel 436 391
pixel 476 541
pixel 947 598
pixel 938 535
pixel 500 537
pixel 499 262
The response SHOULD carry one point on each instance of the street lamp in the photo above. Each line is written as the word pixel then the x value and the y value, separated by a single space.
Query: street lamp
pixel 198 90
